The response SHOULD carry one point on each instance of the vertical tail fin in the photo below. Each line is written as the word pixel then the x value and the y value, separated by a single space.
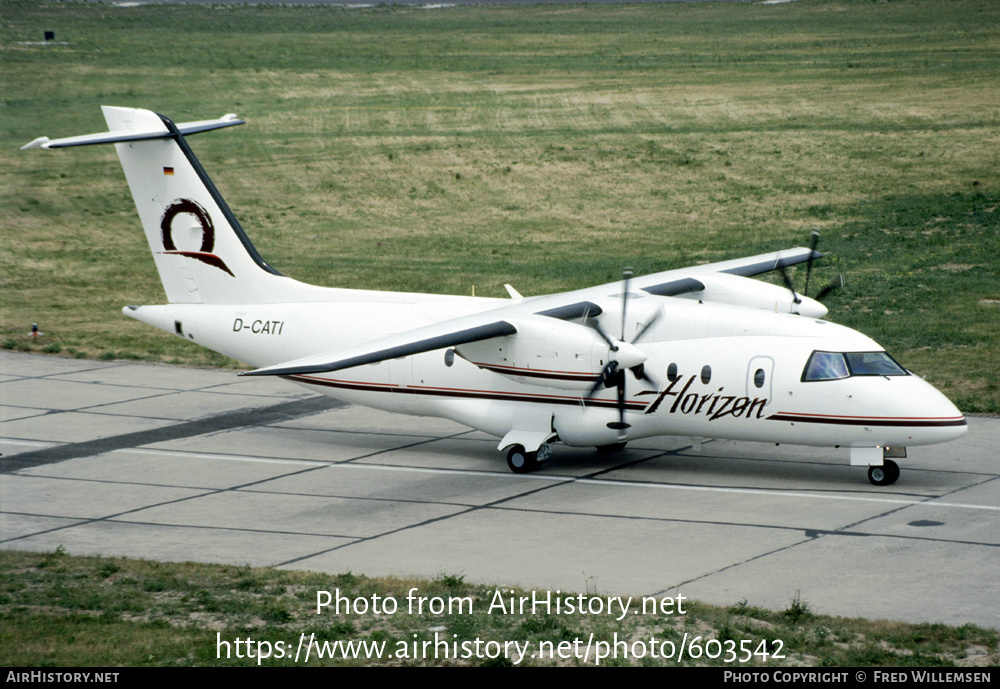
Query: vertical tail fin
pixel 201 251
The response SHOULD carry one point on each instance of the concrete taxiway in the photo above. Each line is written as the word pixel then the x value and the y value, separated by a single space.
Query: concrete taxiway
pixel 173 463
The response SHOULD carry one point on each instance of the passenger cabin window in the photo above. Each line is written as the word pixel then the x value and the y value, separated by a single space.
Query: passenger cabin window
pixel 837 365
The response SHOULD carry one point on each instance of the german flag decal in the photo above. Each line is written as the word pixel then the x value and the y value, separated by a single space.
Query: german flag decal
pixel 168 171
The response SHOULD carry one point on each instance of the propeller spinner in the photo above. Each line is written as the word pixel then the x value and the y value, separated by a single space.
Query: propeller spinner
pixel 622 356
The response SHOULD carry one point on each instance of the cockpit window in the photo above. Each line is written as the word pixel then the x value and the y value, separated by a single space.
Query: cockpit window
pixel 836 365
pixel 825 366
pixel 873 364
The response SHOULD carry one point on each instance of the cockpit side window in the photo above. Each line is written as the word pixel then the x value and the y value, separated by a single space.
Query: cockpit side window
pixel 825 366
pixel 837 365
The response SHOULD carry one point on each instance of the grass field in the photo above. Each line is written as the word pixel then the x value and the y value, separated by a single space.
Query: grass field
pixel 63 611
pixel 461 148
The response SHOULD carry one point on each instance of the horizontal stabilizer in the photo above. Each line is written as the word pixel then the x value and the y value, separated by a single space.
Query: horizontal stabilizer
pixel 228 120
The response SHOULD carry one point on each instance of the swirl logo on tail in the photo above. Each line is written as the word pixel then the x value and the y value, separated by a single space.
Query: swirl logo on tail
pixel 205 254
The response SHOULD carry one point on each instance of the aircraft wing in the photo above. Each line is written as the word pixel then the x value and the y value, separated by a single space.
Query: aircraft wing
pixel 507 320
pixel 438 336
pixel 449 333
pixel 763 263
pixel 673 283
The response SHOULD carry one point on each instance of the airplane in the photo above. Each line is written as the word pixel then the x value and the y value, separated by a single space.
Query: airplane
pixel 704 352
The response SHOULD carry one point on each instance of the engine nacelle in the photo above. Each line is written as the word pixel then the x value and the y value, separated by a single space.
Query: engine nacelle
pixel 550 352
pixel 723 288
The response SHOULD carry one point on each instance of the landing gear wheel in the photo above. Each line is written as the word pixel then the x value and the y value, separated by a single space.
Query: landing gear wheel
pixel 614 447
pixel 884 475
pixel 522 462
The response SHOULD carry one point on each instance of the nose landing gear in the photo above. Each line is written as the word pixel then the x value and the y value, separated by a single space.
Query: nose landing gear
pixel 884 475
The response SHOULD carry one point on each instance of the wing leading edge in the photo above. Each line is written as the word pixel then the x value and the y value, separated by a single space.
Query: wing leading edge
pixel 450 333
pixel 673 283
pixel 392 347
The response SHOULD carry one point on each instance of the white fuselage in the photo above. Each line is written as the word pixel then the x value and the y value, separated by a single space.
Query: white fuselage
pixel 720 351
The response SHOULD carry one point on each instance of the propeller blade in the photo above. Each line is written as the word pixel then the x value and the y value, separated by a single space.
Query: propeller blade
pixel 604 336
pixel 788 284
pixel 832 287
pixel 626 279
pixel 612 374
pixel 809 263
pixel 638 335
pixel 640 374
pixel 598 384
pixel 620 424
pixel 604 380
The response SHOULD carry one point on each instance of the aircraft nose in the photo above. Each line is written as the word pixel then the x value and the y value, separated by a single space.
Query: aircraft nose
pixel 960 426
pixel 944 420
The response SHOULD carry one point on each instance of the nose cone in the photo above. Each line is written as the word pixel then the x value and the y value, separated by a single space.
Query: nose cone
pixel 932 417
pixel 955 425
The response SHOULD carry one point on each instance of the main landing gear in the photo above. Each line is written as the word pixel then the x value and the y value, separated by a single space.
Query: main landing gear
pixel 884 475
pixel 521 461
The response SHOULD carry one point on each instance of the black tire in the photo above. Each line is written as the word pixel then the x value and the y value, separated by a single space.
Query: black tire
pixel 884 475
pixel 608 449
pixel 520 461
pixel 891 469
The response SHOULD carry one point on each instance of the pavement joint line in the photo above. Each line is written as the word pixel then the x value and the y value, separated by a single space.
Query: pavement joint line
pixel 204 492
pixel 418 443
pixel 734 565
pixel 18 376
pixel 476 508
pixel 220 457
pixel 426 522
pixel 240 418
pixel 208 492
pixel 810 537
pixel 815 534
pixel 201 527
pixel 929 501
pixel 588 479
pixel 810 533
